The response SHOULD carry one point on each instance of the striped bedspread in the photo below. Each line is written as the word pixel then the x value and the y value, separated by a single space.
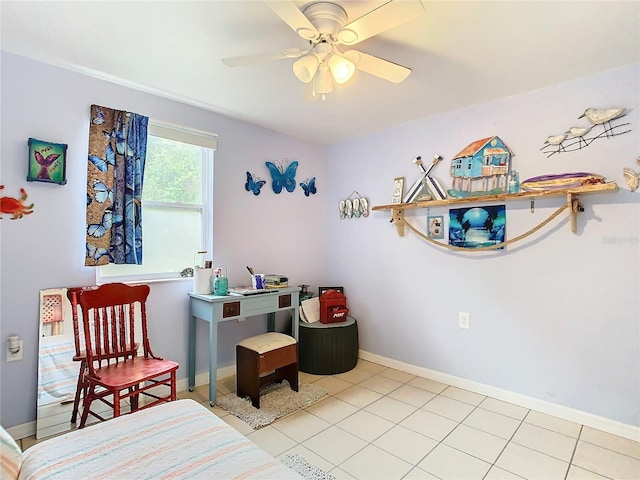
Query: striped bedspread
pixel 177 440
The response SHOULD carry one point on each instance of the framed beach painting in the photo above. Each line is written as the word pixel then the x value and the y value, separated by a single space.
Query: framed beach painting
pixel 476 227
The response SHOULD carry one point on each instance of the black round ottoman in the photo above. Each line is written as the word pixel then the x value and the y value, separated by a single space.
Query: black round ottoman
pixel 328 348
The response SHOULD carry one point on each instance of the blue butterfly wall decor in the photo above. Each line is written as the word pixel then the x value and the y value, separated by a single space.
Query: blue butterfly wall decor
pixel 309 186
pixel 254 184
pixel 283 177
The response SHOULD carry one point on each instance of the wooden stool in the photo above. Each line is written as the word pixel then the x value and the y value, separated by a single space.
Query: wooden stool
pixel 256 356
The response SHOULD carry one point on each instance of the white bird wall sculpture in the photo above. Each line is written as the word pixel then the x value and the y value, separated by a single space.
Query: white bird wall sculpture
pixel 599 116
pixel 556 139
pixel 579 133
pixel 575 137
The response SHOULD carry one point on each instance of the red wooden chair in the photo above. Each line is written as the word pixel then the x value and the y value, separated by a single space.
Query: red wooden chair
pixel 114 317
pixel 80 352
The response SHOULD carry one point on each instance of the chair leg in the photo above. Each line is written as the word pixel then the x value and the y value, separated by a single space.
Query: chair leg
pixel 81 390
pixel 134 398
pixel 86 405
pixel 116 403
pixel 173 386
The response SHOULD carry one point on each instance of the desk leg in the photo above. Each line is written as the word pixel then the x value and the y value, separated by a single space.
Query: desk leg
pixel 213 362
pixel 295 323
pixel 271 322
pixel 192 353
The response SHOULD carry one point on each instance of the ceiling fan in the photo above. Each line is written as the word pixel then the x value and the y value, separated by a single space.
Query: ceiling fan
pixel 324 25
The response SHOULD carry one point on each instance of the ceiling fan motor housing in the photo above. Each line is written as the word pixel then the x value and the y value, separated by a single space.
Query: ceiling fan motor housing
pixel 327 17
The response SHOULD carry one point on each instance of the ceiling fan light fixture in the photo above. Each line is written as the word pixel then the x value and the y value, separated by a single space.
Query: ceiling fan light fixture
pixel 306 68
pixel 322 82
pixel 342 69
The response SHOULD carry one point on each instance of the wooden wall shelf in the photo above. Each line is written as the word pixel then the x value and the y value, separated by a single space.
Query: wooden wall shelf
pixel 571 194
pixel 587 189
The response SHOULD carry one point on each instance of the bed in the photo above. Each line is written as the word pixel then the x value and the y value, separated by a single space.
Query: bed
pixel 176 440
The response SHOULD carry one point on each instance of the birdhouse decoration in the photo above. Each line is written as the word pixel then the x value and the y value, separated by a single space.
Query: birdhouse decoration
pixel 481 168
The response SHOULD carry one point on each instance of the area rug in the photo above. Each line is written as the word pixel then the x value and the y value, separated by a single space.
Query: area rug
pixel 276 400
pixel 304 468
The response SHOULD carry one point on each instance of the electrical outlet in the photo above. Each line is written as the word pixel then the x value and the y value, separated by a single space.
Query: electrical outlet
pixel 463 320
pixel 17 356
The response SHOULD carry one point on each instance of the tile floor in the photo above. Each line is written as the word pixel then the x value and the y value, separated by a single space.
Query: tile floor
pixel 381 423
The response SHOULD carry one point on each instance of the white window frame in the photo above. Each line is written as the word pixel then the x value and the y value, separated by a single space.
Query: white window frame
pixel 195 137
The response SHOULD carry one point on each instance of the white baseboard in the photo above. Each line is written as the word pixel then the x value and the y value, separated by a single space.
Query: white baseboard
pixel 23 430
pixel 577 416
pixel 203 378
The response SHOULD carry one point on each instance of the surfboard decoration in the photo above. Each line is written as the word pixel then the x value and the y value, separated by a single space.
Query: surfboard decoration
pixel 561 181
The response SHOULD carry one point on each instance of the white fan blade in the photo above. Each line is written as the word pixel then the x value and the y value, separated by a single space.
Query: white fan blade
pixel 378 66
pixel 293 17
pixel 385 17
pixel 262 57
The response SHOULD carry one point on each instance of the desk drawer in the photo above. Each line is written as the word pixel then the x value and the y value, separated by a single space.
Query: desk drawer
pixel 284 301
pixel 230 309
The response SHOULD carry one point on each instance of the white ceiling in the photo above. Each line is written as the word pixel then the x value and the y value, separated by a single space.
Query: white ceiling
pixel 461 53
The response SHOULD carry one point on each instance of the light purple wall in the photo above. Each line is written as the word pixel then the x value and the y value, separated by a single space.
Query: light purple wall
pixel 556 317
pixel 273 233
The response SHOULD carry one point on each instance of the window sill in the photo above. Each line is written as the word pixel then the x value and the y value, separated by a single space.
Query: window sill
pixel 141 279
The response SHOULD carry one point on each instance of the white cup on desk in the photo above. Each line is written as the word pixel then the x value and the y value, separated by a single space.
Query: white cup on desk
pixel 257 281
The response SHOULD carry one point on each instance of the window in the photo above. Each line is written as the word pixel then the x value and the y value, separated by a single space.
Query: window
pixel 177 194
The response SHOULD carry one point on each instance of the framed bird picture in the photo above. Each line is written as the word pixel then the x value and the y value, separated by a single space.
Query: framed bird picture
pixel 47 162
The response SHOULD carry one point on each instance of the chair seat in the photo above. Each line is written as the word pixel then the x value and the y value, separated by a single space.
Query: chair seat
pixel 130 373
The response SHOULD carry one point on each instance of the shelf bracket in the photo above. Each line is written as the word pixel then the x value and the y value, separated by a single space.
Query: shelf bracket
pixel 575 207
pixel 397 217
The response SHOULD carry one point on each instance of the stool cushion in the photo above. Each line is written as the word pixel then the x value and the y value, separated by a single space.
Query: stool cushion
pixel 267 342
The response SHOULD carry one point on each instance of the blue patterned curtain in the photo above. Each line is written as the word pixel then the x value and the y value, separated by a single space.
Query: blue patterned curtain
pixel 115 172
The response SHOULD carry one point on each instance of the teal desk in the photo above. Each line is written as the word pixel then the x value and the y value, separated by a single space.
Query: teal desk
pixel 215 309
